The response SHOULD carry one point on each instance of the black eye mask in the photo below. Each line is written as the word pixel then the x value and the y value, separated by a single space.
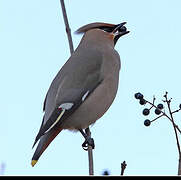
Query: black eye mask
pixel 108 29
pixel 120 30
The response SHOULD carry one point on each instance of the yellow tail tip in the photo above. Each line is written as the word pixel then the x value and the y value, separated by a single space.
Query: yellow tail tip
pixel 33 162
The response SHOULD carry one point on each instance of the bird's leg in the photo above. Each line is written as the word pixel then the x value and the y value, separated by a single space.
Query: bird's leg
pixel 88 140
pixel 91 140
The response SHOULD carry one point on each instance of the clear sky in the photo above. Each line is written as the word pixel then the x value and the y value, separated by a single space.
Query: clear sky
pixel 34 47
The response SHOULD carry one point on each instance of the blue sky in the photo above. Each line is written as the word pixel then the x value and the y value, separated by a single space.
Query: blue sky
pixel 34 47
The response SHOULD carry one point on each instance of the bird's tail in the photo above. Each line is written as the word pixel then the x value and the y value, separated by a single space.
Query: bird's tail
pixel 45 140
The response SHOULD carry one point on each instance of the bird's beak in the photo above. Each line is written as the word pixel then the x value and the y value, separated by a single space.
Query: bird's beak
pixel 118 27
pixel 120 30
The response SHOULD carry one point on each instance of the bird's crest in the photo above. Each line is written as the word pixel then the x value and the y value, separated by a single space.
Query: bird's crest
pixel 87 27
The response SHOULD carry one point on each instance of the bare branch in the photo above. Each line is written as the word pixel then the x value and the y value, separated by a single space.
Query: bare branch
pixel 176 126
pixel 123 167
pixel 175 130
pixel 90 154
pixel 157 117
pixel 173 123
pixel 68 30
pixel 179 166
pixel 176 111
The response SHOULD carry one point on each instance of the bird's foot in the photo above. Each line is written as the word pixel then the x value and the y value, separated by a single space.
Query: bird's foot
pixel 88 142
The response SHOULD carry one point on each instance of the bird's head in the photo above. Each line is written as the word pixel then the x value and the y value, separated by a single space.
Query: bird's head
pixel 115 30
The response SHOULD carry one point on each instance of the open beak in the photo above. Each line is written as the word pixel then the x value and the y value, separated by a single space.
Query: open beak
pixel 119 31
pixel 118 27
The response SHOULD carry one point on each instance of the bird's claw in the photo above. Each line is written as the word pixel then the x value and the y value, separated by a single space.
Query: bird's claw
pixel 88 142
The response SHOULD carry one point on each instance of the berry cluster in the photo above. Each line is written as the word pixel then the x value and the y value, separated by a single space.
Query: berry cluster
pixel 158 108
pixel 162 111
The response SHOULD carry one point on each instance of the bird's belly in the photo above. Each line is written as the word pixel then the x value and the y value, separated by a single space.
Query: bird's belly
pixel 94 106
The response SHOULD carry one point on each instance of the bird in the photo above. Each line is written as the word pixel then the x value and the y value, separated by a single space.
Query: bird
pixel 85 86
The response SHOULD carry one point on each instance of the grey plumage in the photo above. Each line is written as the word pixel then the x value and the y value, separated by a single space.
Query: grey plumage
pixel 93 71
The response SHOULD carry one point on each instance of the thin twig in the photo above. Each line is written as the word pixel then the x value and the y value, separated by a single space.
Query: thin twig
pixel 68 30
pixel 175 130
pixel 173 123
pixel 90 154
pixel 123 167
pixel 157 117
pixel 179 166
pixel 176 111
pixel 165 115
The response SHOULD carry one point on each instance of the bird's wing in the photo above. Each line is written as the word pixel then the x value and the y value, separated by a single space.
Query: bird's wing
pixel 73 84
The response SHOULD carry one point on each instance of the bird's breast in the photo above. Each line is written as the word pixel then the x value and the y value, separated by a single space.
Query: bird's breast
pixel 95 106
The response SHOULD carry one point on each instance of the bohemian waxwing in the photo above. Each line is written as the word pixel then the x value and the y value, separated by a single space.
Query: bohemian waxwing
pixel 85 86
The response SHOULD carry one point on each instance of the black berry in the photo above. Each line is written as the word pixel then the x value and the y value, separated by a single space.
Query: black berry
pixel 146 111
pixel 122 29
pixel 142 101
pixel 160 106
pixel 157 111
pixel 147 122
pixel 138 96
